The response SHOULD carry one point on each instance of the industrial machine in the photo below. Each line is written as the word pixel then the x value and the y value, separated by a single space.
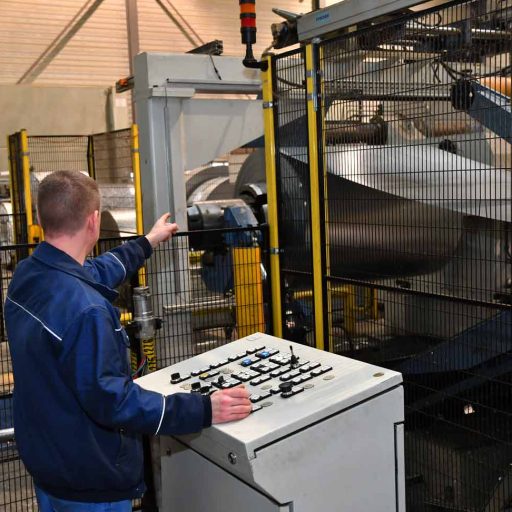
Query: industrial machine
pixel 314 414
pixel 388 162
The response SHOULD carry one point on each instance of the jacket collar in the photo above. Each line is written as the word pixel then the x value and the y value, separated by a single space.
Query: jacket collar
pixel 51 256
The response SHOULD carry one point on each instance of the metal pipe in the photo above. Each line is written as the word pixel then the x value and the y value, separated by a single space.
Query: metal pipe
pixel 6 434
pixel 413 28
pixel 197 307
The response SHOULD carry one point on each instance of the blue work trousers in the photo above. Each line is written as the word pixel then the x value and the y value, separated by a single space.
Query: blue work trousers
pixel 48 503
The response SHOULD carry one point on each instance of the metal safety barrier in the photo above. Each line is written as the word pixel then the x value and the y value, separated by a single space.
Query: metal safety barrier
pixel 393 173
pixel 203 299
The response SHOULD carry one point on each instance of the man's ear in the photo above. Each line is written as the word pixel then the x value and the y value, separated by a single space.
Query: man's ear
pixel 93 220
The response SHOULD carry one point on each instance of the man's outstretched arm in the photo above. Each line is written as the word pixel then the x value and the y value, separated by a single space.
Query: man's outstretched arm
pixel 114 267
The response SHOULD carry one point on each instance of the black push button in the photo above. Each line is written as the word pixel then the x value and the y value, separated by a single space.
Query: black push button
pixel 205 390
pixel 285 387
pixel 292 392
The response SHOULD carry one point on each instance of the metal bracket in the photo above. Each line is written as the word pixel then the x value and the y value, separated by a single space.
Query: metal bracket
pixel 276 250
pixel 268 104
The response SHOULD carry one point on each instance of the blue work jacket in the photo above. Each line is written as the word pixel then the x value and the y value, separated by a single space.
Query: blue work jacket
pixel 78 415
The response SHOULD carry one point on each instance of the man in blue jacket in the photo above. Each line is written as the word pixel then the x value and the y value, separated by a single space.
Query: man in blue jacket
pixel 78 415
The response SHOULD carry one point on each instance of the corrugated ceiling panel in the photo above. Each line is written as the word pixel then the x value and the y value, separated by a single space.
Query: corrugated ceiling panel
pixel 98 53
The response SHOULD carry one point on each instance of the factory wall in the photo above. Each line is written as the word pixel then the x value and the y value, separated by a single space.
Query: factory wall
pixel 57 110
pixel 97 55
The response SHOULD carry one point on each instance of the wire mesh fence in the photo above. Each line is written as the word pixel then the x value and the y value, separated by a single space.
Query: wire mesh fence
pixel 205 298
pixel 415 132
pixel 107 157
pixel 111 156
pixel 56 153
pixel 16 488
pixel 293 185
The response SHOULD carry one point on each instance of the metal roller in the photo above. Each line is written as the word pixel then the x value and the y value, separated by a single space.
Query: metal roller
pixel 6 223
pixel 6 231
pixel 118 217
pixel 118 223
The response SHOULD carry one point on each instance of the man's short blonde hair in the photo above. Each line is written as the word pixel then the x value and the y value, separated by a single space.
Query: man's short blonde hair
pixel 64 201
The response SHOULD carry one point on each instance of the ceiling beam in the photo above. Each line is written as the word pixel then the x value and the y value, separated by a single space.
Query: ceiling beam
pixel 62 39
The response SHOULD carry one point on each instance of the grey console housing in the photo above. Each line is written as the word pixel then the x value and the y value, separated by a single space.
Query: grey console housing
pixel 335 445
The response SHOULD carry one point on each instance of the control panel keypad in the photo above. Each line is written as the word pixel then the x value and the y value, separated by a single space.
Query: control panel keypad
pixel 248 361
pixel 278 372
pixel 228 383
pixel 253 350
pixel 260 380
pixel 208 375
pixel 264 367
pixel 259 397
pixel 256 366
pixel 245 375
pixel 289 375
pixel 274 390
pixel 321 370
pixel 234 357
pixel 281 359
pixel 195 373
pixel 265 354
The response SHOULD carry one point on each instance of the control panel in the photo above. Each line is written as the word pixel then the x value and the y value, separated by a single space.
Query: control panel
pixel 326 433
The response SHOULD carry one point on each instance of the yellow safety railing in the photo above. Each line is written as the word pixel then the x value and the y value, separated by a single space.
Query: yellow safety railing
pixel 139 221
pixel 270 164
pixel 316 224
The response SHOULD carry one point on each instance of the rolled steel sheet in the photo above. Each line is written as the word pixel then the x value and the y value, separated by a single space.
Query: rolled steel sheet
pixel 118 223
pixel 423 174
pixel 372 233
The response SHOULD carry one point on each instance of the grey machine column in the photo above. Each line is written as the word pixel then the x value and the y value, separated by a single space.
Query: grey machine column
pixel 180 131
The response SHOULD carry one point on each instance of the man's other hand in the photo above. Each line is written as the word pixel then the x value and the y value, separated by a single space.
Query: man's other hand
pixel 162 230
pixel 230 405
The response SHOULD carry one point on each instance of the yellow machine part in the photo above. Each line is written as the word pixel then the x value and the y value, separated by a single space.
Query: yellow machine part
pixel 248 291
